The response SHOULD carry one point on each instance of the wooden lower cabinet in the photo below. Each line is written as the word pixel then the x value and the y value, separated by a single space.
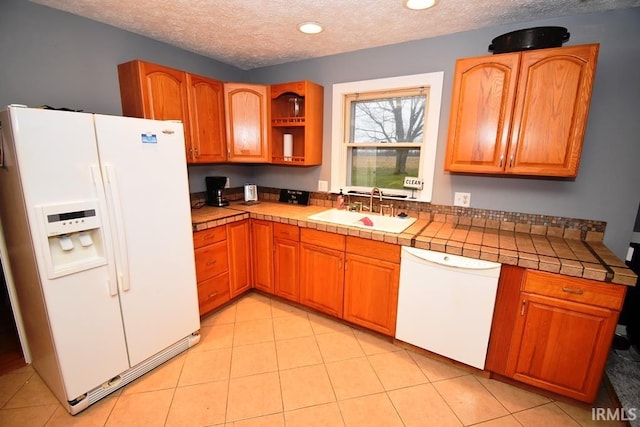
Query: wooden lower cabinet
pixel 561 346
pixel 372 274
pixel 286 261
pixel 212 293
pixel 562 333
pixel 239 248
pixel 262 254
pixel 322 271
pixel 212 268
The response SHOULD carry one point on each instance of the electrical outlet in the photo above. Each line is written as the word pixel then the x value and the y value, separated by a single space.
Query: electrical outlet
pixel 323 185
pixel 462 199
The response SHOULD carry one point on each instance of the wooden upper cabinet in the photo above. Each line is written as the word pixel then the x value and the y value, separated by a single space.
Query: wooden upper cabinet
pixel 247 122
pixel 482 104
pixel 521 113
pixel 206 105
pixel 157 92
pixel 152 91
pixel 297 110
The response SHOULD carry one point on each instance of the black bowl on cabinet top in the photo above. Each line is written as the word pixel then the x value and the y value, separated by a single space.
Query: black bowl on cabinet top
pixel 529 38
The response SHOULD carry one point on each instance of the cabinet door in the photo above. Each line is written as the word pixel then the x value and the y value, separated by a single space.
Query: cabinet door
pixel 211 260
pixel 322 278
pixel 561 346
pixel 481 108
pixel 262 254
pixel 153 91
pixel 206 106
pixel 286 264
pixel 371 293
pixel 247 119
pixel 554 93
pixel 212 293
pixel 239 257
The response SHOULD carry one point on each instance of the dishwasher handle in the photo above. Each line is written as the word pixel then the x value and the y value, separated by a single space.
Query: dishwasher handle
pixel 448 260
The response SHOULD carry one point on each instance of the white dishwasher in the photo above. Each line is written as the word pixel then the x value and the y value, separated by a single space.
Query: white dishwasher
pixel 445 304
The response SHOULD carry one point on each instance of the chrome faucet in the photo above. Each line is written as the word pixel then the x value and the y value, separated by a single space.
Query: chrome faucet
pixel 375 190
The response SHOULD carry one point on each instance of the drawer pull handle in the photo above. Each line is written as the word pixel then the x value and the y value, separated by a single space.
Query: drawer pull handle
pixel 211 262
pixel 572 291
pixel 213 295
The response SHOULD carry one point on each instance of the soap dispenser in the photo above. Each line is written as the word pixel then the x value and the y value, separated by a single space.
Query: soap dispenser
pixel 340 200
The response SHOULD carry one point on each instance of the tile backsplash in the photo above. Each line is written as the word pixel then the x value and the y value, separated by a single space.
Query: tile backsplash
pixel 572 228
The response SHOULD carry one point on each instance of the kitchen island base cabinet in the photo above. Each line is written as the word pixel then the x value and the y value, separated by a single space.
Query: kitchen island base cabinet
pixel 322 271
pixel 372 273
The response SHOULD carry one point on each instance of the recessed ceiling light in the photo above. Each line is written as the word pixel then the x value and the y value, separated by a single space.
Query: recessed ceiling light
pixel 310 27
pixel 419 4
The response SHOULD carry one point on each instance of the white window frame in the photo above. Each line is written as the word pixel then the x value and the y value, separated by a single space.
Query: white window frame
pixel 339 154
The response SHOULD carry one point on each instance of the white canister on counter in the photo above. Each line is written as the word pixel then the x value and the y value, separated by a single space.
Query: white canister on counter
pixel 250 193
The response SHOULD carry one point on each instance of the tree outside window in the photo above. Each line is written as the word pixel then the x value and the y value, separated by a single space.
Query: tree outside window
pixel 385 136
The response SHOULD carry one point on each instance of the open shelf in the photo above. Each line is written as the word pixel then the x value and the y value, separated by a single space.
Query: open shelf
pixel 296 109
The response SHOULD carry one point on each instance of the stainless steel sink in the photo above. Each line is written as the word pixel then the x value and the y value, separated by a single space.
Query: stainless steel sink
pixel 363 220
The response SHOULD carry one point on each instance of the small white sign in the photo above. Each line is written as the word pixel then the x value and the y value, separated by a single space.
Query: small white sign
pixel 413 182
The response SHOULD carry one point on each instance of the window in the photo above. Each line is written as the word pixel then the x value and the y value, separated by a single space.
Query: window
pixel 384 130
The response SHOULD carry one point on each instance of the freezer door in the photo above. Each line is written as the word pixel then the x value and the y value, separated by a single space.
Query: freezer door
pixel 144 166
pixel 72 321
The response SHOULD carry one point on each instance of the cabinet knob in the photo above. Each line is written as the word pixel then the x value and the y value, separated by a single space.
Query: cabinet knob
pixel 501 159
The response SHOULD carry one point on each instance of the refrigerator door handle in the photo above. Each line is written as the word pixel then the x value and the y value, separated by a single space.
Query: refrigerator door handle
pixel 122 267
pixel 113 290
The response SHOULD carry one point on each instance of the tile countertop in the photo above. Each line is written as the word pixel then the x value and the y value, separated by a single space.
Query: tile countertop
pixel 590 259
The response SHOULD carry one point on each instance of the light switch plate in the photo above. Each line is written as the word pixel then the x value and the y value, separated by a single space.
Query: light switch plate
pixel 323 185
pixel 462 199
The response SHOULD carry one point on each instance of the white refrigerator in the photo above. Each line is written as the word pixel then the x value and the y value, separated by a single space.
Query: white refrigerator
pixel 96 219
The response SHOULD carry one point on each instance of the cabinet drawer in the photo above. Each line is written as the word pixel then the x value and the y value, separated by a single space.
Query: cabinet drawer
pixel 213 293
pixel 574 289
pixel 323 239
pixel 211 260
pixel 209 236
pixel 286 231
pixel 373 249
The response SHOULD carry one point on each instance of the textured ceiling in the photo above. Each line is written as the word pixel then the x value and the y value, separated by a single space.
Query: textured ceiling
pixel 255 33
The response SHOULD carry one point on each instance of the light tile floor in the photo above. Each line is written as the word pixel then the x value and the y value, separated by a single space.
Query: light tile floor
pixel 262 362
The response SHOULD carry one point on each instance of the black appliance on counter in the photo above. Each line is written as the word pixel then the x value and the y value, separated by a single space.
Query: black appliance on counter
pixel 215 190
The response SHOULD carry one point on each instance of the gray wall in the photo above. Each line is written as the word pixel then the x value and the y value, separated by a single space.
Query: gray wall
pixel 51 57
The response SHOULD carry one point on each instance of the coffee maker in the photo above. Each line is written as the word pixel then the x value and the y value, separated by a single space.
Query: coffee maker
pixel 215 190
